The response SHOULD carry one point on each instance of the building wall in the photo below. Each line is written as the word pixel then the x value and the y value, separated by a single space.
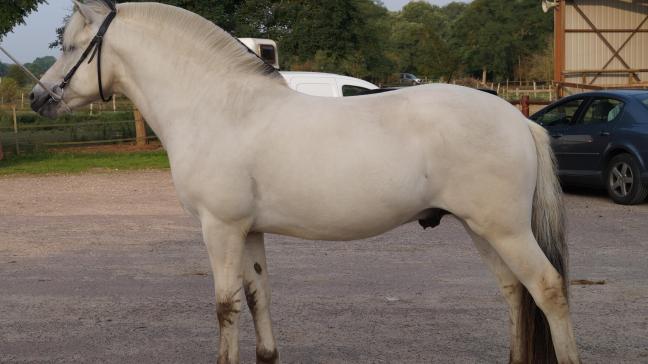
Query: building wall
pixel 584 49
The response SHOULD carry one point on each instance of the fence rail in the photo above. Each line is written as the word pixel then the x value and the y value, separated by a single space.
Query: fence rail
pixel 28 138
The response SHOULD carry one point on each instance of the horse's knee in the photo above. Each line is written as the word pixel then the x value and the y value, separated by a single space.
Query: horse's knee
pixel 227 310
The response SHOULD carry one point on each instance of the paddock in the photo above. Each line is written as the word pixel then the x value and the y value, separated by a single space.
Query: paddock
pixel 107 267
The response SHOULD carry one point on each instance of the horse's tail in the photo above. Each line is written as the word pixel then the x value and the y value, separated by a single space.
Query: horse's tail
pixel 548 225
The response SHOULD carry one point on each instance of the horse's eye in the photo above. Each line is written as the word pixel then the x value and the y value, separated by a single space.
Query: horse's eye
pixel 70 49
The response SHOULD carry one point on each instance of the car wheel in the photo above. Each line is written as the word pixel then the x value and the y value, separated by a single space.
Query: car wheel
pixel 623 180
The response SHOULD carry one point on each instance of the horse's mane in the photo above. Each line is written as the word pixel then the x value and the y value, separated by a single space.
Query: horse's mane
pixel 203 33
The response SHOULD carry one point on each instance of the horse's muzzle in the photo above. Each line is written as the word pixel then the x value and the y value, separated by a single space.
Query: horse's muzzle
pixel 43 103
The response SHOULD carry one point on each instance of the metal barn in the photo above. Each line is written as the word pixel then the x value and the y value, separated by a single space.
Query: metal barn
pixel 600 44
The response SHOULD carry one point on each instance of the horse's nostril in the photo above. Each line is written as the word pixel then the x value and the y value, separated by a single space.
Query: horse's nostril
pixel 31 96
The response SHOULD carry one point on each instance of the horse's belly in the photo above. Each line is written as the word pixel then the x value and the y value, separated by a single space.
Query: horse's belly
pixel 352 228
pixel 338 217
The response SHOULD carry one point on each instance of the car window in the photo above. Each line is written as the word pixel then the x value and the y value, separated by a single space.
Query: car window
pixel 602 111
pixel 350 90
pixel 561 114
pixel 268 53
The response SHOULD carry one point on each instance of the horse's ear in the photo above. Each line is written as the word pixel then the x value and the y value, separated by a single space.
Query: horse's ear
pixel 92 11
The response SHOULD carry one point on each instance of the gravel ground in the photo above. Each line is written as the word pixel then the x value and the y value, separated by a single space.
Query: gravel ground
pixel 107 267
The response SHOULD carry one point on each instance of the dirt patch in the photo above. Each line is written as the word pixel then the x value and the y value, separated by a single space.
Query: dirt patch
pixel 109 268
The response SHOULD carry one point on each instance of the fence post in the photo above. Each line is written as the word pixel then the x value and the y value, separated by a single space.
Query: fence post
pixel 15 123
pixel 1 152
pixel 140 128
pixel 524 102
pixel 114 104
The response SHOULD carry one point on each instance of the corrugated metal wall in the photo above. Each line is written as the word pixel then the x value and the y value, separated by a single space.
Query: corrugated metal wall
pixel 586 50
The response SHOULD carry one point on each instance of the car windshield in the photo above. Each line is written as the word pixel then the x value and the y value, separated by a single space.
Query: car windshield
pixel 643 98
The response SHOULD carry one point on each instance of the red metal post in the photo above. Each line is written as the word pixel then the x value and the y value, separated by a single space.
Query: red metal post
pixel 524 102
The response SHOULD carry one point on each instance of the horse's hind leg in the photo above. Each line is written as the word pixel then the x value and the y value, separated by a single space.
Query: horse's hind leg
pixel 257 293
pixel 225 245
pixel 510 287
pixel 519 250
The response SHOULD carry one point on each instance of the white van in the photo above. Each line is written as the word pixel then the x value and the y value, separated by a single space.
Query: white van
pixel 326 84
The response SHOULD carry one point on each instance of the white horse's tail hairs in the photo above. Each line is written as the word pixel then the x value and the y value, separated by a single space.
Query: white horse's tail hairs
pixel 548 225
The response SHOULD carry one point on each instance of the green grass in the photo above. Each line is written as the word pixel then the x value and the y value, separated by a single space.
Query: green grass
pixel 42 163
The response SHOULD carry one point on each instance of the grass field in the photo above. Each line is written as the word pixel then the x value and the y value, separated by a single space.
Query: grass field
pixel 42 163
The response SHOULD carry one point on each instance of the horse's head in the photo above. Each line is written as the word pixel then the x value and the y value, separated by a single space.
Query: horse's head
pixel 82 87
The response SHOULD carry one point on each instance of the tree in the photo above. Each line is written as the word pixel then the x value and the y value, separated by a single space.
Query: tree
pixel 362 38
pixel 14 72
pixel 14 12
pixel 3 69
pixel 417 38
pixel 341 36
pixel 9 91
pixel 40 65
pixel 496 34
pixel 539 66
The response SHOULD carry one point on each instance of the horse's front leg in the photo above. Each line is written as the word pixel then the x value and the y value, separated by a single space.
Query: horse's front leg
pixel 225 245
pixel 257 294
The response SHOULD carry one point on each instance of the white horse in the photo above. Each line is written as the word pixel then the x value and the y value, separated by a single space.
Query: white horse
pixel 250 156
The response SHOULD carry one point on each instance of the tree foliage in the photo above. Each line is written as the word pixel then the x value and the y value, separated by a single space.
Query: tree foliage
pixel 9 90
pixel 498 34
pixel 40 65
pixel 15 73
pixel 362 38
pixel 13 12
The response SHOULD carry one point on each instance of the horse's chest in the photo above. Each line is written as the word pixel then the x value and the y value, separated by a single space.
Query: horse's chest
pixel 225 196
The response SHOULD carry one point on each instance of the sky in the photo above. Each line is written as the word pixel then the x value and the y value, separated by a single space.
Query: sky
pixel 31 40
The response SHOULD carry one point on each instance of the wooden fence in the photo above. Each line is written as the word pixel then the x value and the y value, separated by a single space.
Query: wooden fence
pixel 528 97
pixel 23 137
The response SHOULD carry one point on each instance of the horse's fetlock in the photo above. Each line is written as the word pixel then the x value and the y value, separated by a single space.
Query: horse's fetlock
pixel 266 356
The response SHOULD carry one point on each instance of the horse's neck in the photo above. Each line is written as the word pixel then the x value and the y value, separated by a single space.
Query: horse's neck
pixel 177 95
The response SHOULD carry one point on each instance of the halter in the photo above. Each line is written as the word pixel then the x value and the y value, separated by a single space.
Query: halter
pixel 95 48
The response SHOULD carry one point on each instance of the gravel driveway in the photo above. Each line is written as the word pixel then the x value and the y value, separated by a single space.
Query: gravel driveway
pixel 107 267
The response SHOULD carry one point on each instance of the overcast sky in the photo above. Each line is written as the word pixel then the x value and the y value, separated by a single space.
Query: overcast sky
pixel 29 41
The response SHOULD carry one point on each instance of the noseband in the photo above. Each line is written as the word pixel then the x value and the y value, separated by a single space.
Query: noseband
pixel 94 48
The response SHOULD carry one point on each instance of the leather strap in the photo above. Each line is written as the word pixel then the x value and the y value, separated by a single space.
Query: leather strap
pixel 94 48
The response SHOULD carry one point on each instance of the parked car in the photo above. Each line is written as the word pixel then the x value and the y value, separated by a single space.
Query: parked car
pixel 326 84
pixel 409 79
pixel 266 49
pixel 601 139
